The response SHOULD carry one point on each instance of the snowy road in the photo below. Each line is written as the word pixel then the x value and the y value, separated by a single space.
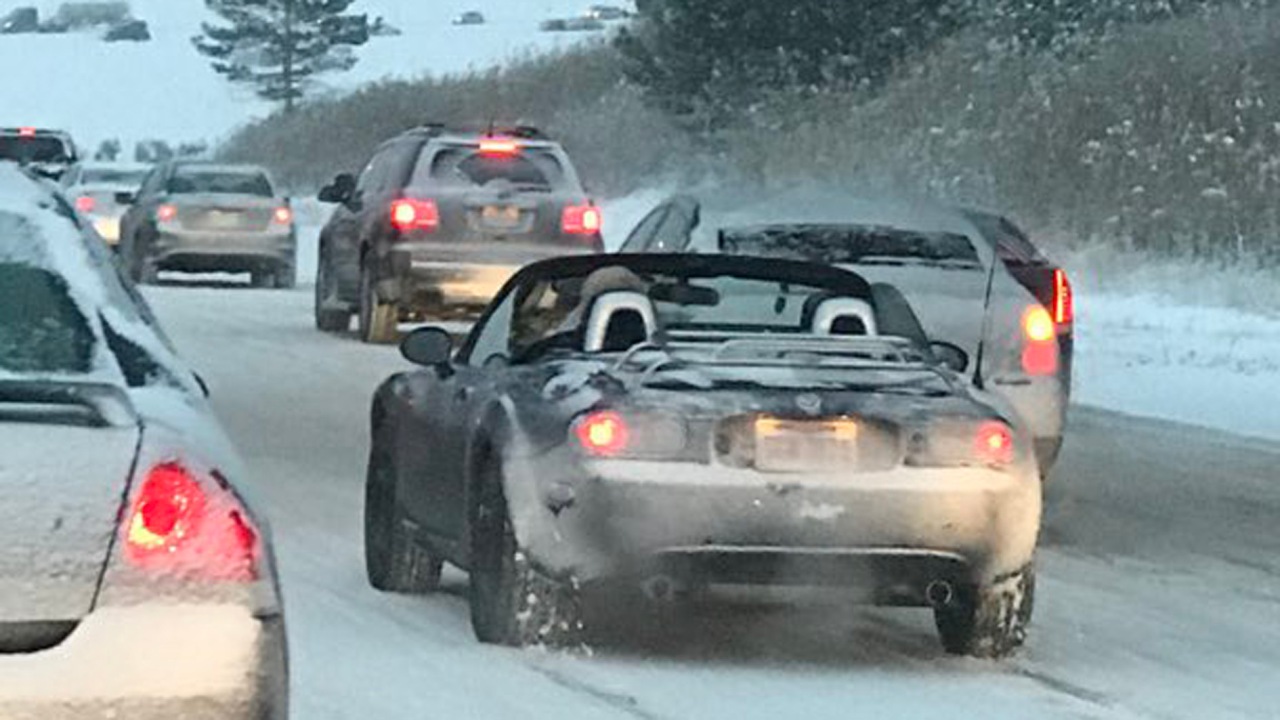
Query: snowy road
pixel 1160 585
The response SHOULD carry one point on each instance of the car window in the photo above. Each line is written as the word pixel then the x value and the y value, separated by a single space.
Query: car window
pixel 188 180
pixel 34 149
pixel 373 177
pixel 151 184
pixel 672 234
pixel 41 328
pixel 850 244
pixel 110 176
pixel 491 338
pixel 638 240
pixel 1011 245
pixel 468 167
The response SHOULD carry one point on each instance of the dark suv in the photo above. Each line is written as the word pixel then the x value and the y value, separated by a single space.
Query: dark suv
pixel 438 221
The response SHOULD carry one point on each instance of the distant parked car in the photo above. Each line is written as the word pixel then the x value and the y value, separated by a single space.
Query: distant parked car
pixel 49 153
pixel 471 17
pixel 194 216
pixel 20 20
pixel 606 12
pixel 130 30
pixel 92 187
pixel 77 15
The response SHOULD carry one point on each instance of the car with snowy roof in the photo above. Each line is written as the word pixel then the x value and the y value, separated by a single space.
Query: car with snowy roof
pixel 681 423
pixel 93 186
pixel 439 219
pixel 135 578
pixel 973 276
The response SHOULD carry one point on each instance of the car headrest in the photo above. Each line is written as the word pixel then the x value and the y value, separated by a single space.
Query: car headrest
pixel 619 320
pixel 843 316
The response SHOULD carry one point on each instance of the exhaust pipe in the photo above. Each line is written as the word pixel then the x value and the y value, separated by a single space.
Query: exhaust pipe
pixel 939 593
pixel 659 588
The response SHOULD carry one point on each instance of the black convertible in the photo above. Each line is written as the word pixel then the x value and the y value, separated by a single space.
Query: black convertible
pixel 677 423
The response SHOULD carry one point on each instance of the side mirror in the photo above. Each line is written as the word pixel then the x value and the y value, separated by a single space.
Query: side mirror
pixel 950 355
pixel 340 190
pixel 428 347
pixel 124 197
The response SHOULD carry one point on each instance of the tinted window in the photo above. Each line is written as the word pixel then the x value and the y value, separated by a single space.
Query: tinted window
pixel 849 244
pixel 638 241
pixel 464 166
pixel 41 328
pixel 187 180
pixel 106 176
pixel 1011 245
pixel 35 149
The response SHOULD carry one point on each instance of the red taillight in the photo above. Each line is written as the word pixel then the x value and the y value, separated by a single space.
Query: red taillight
pixel 86 203
pixel 27 132
pixel 1040 349
pixel 175 524
pixel 499 147
pixel 993 444
pixel 166 212
pixel 411 214
pixel 1064 309
pixel 581 220
pixel 604 433
pixel 282 216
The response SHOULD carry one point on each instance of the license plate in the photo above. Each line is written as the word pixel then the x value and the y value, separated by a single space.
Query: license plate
pixel 784 445
pixel 222 218
pixel 500 216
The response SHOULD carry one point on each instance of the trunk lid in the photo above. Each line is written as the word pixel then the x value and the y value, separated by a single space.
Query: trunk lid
pixel 222 211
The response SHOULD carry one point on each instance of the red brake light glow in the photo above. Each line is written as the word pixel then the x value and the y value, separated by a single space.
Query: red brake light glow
pixel 86 203
pixel 499 147
pixel 994 444
pixel 166 212
pixel 603 433
pixel 282 216
pixel 175 524
pixel 581 220
pixel 27 132
pixel 1040 352
pixel 1038 324
pixel 1064 310
pixel 410 214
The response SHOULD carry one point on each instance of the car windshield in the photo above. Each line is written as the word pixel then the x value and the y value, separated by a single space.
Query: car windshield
pixel 190 180
pixel 38 149
pixel 850 244
pixel 42 331
pixel 113 176
pixel 466 167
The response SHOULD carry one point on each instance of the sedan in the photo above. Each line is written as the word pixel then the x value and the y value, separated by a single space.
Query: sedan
pixel 135 579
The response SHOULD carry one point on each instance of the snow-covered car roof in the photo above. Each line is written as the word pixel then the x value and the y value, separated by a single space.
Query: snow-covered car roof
pixel 39 229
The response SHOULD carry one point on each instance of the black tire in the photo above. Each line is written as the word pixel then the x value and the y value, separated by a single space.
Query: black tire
pixel 511 602
pixel 327 319
pixel 378 320
pixel 988 622
pixel 394 562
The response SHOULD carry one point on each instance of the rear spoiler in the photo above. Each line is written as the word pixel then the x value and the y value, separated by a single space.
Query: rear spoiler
pixel 82 404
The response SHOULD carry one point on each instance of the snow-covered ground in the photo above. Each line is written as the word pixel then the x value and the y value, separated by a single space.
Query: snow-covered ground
pixel 163 89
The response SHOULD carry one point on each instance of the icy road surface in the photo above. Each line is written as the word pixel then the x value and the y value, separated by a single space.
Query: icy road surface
pixel 1159 595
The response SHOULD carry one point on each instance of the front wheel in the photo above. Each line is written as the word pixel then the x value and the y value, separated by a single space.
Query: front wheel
pixel 394 561
pixel 328 319
pixel 377 319
pixel 991 621
pixel 512 603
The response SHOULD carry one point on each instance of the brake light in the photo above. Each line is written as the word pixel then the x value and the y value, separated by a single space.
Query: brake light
pixel 27 132
pixel 166 212
pixel 993 444
pixel 603 433
pixel 581 220
pixel 175 524
pixel 499 147
pixel 1064 310
pixel 282 216
pixel 1040 351
pixel 411 214
pixel 86 204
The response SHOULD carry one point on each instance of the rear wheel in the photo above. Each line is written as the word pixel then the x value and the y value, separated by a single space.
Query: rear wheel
pixel 326 297
pixel 991 621
pixel 394 562
pixel 377 319
pixel 511 602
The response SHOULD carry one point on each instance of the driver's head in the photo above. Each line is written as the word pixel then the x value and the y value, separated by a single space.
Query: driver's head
pixel 603 280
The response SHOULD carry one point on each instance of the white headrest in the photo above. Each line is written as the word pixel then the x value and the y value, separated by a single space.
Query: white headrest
pixel 610 303
pixel 830 310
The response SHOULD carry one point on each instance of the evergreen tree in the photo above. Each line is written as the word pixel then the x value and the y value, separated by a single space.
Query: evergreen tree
pixel 279 46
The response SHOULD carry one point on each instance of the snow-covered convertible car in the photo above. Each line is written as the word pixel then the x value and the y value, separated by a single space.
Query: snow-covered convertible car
pixel 674 421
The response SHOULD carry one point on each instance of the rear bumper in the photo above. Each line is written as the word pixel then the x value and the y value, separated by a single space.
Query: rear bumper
pixel 888 532
pixel 154 661
pixel 222 251
pixel 466 274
